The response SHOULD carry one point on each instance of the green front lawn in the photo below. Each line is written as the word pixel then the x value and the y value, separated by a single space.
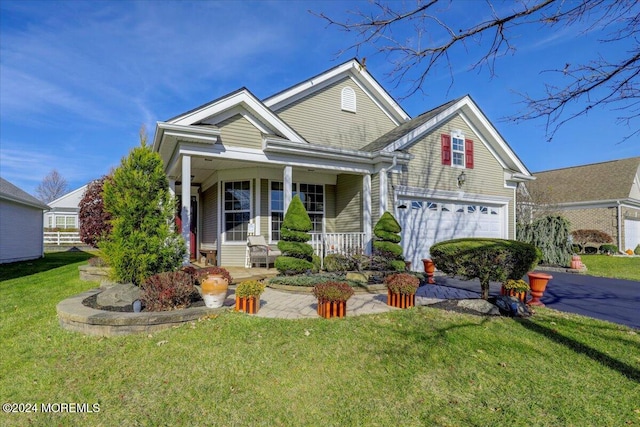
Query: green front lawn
pixel 619 267
pixel 421 366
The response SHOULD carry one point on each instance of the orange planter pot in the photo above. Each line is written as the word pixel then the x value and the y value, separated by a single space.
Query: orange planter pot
pixel 400 300
pixel 522 296
pixel 249 305
pixel 429 269
pixel 328 309
pixel 538 284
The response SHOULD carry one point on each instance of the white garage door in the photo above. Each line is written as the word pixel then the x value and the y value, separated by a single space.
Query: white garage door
pixel 427 222
pixel 631 234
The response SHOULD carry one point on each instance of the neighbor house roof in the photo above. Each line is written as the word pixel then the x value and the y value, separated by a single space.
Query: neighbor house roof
pixel 9 191
pixel 611 180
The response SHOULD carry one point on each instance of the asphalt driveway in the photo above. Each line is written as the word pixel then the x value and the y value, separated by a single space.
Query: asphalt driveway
pixel 614 300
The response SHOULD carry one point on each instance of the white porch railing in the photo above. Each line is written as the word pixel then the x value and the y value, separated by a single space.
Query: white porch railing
pixel 337 243
pixel 61 237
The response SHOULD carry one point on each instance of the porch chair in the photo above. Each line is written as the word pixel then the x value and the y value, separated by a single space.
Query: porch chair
pixel 260 252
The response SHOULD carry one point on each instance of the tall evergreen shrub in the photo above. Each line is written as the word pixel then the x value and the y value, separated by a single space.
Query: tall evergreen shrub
pixel 550 234
pixel 297 254
pixel 387 231
pixel 141 242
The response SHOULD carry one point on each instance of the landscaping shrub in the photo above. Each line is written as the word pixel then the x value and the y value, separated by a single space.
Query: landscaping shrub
pixel 338 262
pixel 249 288
pixel 168 291
pixel 485 259
pixel 386 250
pixel 141 242
pixel 94 219
pixel 402 283
pixel 637 250
pixel 297 254
pixel 608 249
pixel 582 237
pixel 550 234
pixel 332 291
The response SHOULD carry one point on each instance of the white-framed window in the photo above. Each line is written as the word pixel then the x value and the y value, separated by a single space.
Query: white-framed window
pixel 457 149
pixel 236 210
pixel 348 99
pixel 312 197
pixel 63 221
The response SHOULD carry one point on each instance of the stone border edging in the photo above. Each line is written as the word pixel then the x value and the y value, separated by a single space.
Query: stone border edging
pixel 75 316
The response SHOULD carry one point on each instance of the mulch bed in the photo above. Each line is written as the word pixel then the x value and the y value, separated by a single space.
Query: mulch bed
pixel 92 302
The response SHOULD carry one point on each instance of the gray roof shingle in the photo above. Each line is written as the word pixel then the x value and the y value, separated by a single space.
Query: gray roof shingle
pixel 398 132
pixel 11 192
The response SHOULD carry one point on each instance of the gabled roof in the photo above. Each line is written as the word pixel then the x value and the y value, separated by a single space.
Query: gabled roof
pixel 69 199
pixel 10 192
pixel 407 134
pixel 612 180
pixel 352 68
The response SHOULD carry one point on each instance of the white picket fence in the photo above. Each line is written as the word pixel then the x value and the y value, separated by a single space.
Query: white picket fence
pixel 337 243
pixel 61 237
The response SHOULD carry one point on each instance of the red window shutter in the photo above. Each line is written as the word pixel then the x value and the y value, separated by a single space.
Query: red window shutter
pixel 468 153
pixel 446 149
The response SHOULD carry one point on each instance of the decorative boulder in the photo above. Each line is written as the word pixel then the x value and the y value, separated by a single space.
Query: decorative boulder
pixel 120 295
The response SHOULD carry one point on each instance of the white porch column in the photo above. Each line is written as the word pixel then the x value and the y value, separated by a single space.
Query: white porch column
pixel 172 190
pixel 384 191
pixel 288 187
pixel 366 212
pixel 185 214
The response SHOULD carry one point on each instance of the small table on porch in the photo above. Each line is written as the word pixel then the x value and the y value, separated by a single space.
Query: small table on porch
pixel 211 256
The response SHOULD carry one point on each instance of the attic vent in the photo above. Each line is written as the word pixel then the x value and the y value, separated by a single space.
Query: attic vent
pixel 348 99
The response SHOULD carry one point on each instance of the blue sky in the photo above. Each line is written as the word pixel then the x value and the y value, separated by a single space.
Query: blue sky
pixel 79 78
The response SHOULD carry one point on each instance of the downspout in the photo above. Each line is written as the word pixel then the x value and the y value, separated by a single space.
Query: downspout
pixel 619 209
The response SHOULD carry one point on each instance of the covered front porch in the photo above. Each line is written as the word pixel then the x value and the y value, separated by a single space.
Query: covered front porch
pixel 235 192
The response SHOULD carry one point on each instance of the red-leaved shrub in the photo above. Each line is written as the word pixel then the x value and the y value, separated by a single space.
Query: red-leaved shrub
pixel 168 291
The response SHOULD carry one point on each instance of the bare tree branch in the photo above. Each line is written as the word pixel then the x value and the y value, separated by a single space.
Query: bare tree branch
pixel 52 187
pixel 437 41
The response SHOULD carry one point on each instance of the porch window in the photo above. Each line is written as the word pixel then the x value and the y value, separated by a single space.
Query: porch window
pixel 312 197
pixel 237 210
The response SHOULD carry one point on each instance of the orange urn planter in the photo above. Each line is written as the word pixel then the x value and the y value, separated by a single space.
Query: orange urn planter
pixel 214 290
pixel 249 305
pixel 522 296
pixel 538 283
pixel 400 300
pixel 329 309
pixel 576 262
pixel 429 269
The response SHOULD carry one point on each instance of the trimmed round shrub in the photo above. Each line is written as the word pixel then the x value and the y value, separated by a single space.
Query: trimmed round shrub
pixel 637 250
pixel 290 266
pixel 485 259
pixel 608 249
pixel 387 231
pixel 338 262
pixel 297 255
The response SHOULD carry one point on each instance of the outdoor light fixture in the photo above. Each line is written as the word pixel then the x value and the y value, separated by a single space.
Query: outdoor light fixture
pixel 461 179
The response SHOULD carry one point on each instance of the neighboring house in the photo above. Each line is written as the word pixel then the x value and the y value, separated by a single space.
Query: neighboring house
pixel 601 196
pixel 20 224
pixel 64 211
pixel 342 143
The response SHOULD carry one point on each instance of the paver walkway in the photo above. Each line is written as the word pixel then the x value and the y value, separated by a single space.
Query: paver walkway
pixel 289 305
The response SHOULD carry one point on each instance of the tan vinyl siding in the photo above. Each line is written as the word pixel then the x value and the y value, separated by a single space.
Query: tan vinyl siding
pixel 349 203
pixel 233 255
pixel 320 120
pixel 330 208
pixel 264 208
pixel 427 171
pixel 237 131
pixel 209 232
pixel 375 198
